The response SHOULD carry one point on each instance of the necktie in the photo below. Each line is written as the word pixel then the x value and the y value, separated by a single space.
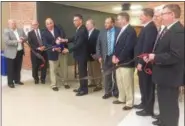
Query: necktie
pixel 38 37
pixel 159 36
pixel 109 43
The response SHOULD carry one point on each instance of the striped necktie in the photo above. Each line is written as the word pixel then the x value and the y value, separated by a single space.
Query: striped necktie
pixel 109 43
pixel 38 37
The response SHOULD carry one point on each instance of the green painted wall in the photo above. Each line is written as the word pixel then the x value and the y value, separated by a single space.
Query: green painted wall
pixel 63 15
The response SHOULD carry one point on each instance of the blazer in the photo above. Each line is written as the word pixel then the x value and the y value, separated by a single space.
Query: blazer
pixel 49 40
pixel 11 42
pixel 124 48
pixel 168 68
pixel 32 39
pixel 80 42
pixel 145 42
pixel 92 41
pixel 101 47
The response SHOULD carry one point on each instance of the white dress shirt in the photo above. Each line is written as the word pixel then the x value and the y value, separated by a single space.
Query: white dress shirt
pixel 90 32
pixel 38 32
pixel 19 47
pixel 122 30
pixel 52 32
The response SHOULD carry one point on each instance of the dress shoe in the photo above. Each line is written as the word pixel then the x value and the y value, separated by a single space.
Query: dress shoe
pixel 97 89
pixel 19 83
pixel 36 81
pixel 127 108
pixel 11 85
pixel 156 116
pixel 76 90
pixel 106 96
pixel 144 113
pixel 140 106
pixel 55 88
pixel 66 86
pixel 43 81
pixel 157 122
pixel 118 102
pixel 81 93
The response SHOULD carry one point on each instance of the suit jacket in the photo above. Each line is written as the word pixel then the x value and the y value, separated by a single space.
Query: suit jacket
pixel 80 41
pixel 168 68
pixel 11 42
pixel 102 47
pixel 92 43
pixel 124 48
pixel 49 40
pixel 146 40
pixel 32 40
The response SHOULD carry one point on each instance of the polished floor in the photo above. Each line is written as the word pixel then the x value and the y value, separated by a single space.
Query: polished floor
pixel 38 105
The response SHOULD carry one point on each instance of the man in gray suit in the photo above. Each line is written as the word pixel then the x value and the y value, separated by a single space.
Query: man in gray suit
pixel 14 50
pixel 104 51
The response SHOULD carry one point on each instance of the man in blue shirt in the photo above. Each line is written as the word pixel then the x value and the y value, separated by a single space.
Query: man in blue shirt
pixel 105 48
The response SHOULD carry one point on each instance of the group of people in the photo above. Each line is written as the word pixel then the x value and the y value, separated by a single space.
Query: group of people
pixel 161 40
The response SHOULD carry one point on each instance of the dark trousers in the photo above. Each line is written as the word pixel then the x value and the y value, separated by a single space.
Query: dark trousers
pixel 168 105
pixel 147 89
pixel 108 79
pixel 82 70
pixel 14 68
pixel 36 65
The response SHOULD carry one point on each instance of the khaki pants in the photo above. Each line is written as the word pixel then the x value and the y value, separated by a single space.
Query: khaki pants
pixel 53 66
pixel 94 70
pixel 62 71
pixel 125 82
pixel 58 70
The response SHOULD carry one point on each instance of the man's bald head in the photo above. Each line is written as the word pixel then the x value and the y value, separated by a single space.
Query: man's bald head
pixel 49 23
pixel 12 24
pixel 35 24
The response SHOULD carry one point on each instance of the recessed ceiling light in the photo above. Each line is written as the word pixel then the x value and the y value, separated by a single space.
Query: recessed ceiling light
pixel 136 12
pixel 118 8
pixel 135 7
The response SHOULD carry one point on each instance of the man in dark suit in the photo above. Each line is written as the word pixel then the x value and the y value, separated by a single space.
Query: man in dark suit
pixel 104 50
pixel 124 52
pixel 94 69
pixel 168 65
pixel 51 37
pixel 36 43
pixel 145 44
pixel 80 41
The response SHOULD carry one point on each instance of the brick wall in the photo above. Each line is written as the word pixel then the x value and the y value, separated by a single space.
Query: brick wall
pixel 23 13
pixel 181 4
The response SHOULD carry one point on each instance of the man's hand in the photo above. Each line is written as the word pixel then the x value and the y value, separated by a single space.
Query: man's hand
pixel 146 59
pixel 57 41
pixel 115 60
pixel 57 49
pixel 65 51
pixel 139 67
pixel 100 60
pixel 42 48
pixel 94 56
pixel 151 57
pixel 63 40
pixel 22 40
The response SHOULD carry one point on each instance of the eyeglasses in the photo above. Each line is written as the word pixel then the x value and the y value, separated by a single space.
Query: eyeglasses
pixel 166 13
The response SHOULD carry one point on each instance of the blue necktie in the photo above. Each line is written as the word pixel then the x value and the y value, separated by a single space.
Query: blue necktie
pixel 109 43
